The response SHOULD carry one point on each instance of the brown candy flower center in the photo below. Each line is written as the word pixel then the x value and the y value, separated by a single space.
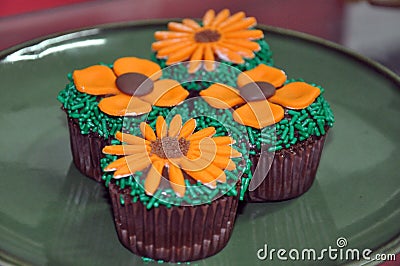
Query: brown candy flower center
pixel 257 91
pixel 134 84
pixel 207 36
pixel 170 147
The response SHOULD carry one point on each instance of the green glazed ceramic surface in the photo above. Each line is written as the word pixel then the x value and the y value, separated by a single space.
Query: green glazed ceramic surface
pixel 52 215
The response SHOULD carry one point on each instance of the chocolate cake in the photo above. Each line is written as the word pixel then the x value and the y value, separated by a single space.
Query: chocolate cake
pixel 175 234
pixel 291 173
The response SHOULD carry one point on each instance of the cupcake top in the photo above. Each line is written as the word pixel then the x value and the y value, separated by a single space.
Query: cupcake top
pixel 231 39
pixel 98 96
pixel 129 80
pixel 217 37
pixel 174 163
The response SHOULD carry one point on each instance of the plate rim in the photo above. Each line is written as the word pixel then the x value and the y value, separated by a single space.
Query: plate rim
pixel 391 246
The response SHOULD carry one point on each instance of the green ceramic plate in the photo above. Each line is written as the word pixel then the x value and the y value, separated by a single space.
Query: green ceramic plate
pixel 51 214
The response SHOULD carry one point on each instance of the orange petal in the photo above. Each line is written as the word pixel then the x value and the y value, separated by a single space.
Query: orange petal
pixel 224 162
pixel 138 163
pixel 138 65
pixel 95 80
pixel 125 161
pixel 166 51
pixel 193 153
pixel 125 149
pixel 205 132
pixel 187 128
pixel 262 72
pixel 222 150
pixel 197 55
pixel 165 43
pixel 247 53
pixel 244 43
pixel 240 25
pixel 166 92
pixel 175 126
pixel 204 148
pixel 195 164
pixel 182 54
pixel 161 127
pixel 245 34
pixel 191 23
pixel 228 55
pixel 228 151
pixel 216 172
pixel 208 17
pixel 130 139
pixel 209 175
pixel 175 26
pixel 163 35
pixel 121 105
pixel 221 140
pixel 147 131
pixel 177 180
pixel 295 95
pixel 134 164
pixel 153 177
pixel 116 164
pixel 221 17
pixel 205 179
pixel 122 172
pixel 258 114
pixel 232 19
pixel 221 96
pixel 209 64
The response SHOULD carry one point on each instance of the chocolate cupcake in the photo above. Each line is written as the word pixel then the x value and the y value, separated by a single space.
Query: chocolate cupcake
pixel 286 120
pixel 97 98
pixel 229 39
pixel 174 190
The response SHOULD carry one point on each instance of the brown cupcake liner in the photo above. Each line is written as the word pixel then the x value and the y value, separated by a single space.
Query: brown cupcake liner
pixel 292 172
pixel 86 150
pixel 176 234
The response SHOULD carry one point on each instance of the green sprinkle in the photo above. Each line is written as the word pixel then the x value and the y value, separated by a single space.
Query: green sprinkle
pixel 294 119
pixel 275 148
pixel 285 132
pixel 291 132
pixel 294 113
pixel 304 116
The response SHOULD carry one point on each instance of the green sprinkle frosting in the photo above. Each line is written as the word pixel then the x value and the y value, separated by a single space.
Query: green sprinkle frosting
pixel 196 193
pixel 84 108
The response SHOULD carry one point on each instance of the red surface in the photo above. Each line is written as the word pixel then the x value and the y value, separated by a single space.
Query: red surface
pixel 323 19
pixel 13 7
pixel 392 263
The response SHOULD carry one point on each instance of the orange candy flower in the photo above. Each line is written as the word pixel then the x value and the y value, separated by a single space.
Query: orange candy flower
pixel 174 149
pixel 261 96
pixel 223 35
pixel 130 88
